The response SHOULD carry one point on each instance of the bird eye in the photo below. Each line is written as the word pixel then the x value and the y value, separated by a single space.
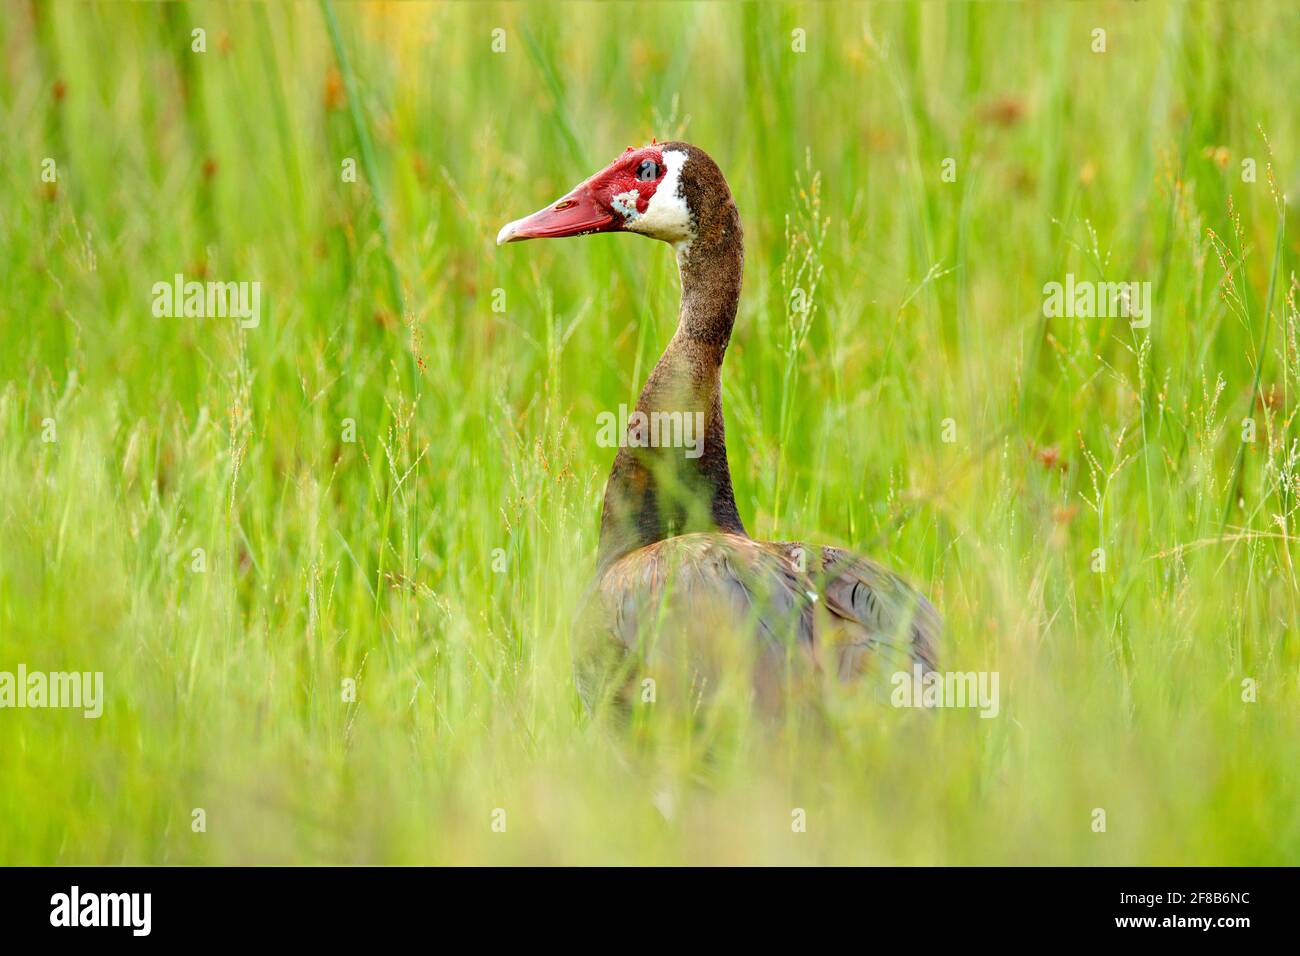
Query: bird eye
pixel 648 171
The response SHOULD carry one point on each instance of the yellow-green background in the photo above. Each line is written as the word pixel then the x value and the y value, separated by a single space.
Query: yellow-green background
pixel 476 429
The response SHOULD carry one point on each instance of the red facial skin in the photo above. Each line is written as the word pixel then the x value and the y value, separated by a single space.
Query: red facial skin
pixel 589 207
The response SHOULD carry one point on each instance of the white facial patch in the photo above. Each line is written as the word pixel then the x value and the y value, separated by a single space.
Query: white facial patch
pixel 666 216
pixel 625 205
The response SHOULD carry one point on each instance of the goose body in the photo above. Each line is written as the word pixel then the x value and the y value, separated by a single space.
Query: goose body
pixel 674 554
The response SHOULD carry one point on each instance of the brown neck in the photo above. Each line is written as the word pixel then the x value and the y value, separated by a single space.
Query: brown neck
pixel 657 488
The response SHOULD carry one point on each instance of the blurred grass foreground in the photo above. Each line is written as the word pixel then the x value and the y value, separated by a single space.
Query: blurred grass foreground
pixel 327 562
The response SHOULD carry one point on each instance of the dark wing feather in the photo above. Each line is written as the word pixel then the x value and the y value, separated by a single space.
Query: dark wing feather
pixel 694 586
pixel 875 610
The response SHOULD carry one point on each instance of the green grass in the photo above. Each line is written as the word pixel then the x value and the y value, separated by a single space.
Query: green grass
pixel 475 429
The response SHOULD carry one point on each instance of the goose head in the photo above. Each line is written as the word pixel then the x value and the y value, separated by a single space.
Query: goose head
pixel 651 191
